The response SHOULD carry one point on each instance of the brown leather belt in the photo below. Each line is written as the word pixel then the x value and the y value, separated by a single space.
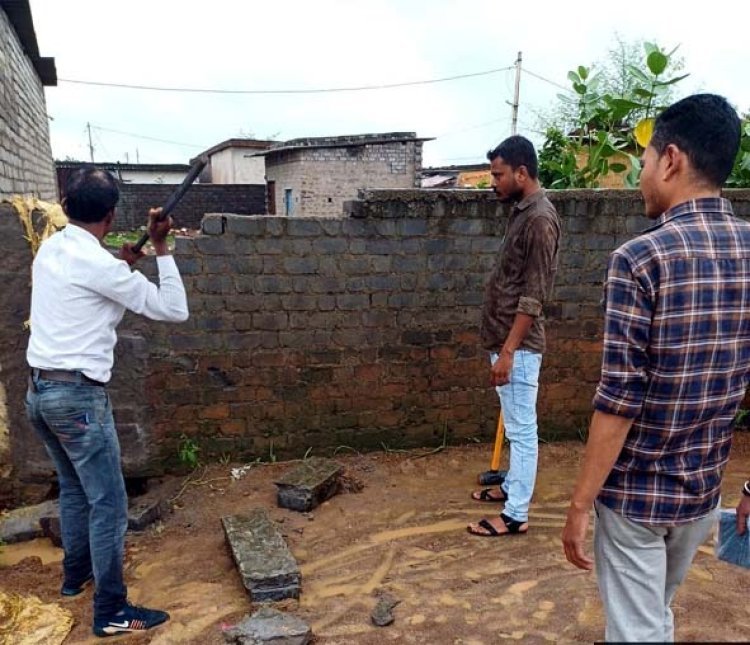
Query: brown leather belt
pixel 65 376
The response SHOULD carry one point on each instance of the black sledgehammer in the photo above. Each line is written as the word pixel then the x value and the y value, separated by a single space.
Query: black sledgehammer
pixel 198 165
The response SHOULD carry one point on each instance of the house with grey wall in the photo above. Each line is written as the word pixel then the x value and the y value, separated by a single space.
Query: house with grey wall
pixel 314 176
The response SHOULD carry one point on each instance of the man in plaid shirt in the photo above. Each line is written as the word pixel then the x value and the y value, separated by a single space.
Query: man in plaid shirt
pixel 675 369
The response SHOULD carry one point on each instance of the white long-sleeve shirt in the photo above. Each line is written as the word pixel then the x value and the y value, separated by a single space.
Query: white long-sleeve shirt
pixel 79 295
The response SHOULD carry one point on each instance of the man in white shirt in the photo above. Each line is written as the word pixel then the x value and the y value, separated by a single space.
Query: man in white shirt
pixel 80 292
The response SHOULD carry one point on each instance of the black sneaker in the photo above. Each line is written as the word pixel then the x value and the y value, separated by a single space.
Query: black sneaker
pixel 73 590
pixel 130 619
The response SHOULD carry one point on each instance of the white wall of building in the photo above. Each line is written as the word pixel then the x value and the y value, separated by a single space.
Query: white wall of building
pixel 152 177
pixel 237 166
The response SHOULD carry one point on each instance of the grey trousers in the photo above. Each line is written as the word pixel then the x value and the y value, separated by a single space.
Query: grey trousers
pixel 638 569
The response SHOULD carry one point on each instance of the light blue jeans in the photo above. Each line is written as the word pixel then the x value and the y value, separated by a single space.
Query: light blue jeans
pixel 74 420
pixel 518 403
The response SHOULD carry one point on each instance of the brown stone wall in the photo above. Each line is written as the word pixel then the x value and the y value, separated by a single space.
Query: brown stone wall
pixel 358 331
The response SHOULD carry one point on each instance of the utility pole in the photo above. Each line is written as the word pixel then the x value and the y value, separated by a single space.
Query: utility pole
pixel 137 156
pixel 516 95
pixel 91 145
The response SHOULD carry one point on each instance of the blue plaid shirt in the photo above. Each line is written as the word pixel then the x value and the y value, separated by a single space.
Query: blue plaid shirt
pixel 676 360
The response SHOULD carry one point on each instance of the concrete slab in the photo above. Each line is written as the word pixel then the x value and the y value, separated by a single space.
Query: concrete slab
pixel 24 523
pixel 309 484
pixel 266 565
pixel 269 626
pixel 43 520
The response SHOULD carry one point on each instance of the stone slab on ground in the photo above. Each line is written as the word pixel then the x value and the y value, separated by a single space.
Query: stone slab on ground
pixel 43 520
pixel 22 524
pixel 266 565
pixel 269 626
pixel 309 484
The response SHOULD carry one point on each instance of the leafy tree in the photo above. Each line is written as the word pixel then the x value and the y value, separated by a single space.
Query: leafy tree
pixel 611 115
pixel 740 177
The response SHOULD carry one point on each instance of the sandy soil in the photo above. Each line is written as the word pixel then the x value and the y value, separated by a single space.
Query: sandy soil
pixel 405 534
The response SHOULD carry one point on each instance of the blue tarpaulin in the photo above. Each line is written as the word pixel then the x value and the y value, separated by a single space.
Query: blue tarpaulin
pixel 731 547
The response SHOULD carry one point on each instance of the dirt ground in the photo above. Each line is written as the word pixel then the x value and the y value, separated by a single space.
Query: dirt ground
pixel 405 534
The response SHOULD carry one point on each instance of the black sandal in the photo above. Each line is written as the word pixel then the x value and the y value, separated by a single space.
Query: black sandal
pixel 513 526
pixel 484 496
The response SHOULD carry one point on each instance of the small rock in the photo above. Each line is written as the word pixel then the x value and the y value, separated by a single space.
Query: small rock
pixel 350 483
pixel 382 615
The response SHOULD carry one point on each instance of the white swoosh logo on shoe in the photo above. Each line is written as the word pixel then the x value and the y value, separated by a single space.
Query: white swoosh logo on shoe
pixel 124 624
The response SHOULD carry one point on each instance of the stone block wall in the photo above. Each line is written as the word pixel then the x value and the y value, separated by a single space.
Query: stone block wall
pixel 26 165
pixel 136 199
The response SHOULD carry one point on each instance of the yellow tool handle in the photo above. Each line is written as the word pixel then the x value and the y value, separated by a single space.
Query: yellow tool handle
pixel 497 453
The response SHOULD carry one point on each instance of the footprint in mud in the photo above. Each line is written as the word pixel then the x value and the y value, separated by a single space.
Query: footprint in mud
pixel 542 614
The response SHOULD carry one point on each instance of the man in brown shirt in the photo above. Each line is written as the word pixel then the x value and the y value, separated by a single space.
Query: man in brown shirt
pixel 512 327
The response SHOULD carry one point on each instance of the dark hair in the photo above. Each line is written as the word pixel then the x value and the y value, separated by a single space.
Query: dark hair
pixel 517 151
pixel 707 129
pixel 90 193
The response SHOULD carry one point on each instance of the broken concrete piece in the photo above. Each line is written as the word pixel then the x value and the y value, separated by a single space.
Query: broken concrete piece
pixel 145 510
pixel 43 520
pixel 269 626
pixel 51 529
pixel 309 484
pixel 382 615
pixel 24 523
pixel 267 567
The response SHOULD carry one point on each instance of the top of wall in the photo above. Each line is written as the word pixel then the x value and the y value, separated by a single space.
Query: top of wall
pixel 19 15
pixel 254 144
pixel 345 141
pixel 114 167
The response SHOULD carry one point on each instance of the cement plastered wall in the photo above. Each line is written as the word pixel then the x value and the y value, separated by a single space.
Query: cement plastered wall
pixel 322 179
pixel 237 166
pixel 26 165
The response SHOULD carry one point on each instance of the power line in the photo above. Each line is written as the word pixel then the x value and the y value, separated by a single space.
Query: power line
pixel 469 127
pixel 155 88
pixel 546 80
pixel 143 136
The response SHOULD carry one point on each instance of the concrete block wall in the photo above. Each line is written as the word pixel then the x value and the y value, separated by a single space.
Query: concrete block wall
pixel 136 199
pixel 26 165
pixel 358 331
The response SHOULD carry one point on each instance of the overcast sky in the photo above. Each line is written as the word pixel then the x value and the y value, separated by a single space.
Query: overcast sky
pixel 291 44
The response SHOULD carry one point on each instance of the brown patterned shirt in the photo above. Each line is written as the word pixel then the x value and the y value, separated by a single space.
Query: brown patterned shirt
pixel 522 279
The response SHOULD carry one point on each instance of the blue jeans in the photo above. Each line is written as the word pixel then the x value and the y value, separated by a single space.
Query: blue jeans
pixel 518 403
pixel 75 422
